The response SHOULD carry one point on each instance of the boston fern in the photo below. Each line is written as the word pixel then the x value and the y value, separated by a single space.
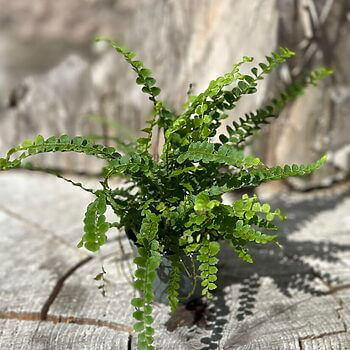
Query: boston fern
pixel 172 204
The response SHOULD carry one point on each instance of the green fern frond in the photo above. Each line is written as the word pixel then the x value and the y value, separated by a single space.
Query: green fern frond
pixel 56 144
pixel 205 152
pixel 148 83
pixel 149 227
pixel 208 261
pixel 280 173
pixel 129 164
pixel 254 177
pixel 147 262
pixel 174 282
pixel 216 99
pixel 240 130
pixel 95 225
pixel 247 233
pixel 144 75
pixel 238 246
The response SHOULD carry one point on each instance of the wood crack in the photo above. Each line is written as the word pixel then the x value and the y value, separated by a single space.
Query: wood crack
pixel 44 316
pixel 327 334
pixel 320 336
pixel 58 287
pixel 336 289
pixel 36 316
pixel 130 342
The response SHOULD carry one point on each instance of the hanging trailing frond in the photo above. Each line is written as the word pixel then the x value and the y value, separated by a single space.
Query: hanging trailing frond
pixel 208 261
pixel 174 282
pixel 147 262
pixel 95 225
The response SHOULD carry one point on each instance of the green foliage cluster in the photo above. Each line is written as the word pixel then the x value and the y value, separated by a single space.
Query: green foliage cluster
pixel 173 205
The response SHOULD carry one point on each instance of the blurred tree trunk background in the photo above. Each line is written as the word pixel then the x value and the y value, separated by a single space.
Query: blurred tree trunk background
pixel 54 80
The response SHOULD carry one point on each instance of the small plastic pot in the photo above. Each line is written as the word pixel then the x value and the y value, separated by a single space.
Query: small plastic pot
pixel 189 285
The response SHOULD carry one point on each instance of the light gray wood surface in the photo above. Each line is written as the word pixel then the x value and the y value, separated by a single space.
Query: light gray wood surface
pixel 28 335
pixel 297 297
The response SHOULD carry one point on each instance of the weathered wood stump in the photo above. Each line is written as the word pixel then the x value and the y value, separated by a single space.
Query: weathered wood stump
pixel 291 298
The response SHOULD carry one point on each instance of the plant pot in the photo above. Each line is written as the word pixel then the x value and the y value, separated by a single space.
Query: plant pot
pixel 189 285
pixel 189 290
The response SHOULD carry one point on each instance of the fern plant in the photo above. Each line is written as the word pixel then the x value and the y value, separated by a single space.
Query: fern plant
pixel 173 206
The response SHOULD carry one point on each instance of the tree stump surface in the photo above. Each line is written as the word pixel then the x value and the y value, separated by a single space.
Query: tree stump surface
pixel 297 297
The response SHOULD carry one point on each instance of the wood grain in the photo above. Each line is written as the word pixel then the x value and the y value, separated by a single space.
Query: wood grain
pixel 28 335
pixel 297 297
